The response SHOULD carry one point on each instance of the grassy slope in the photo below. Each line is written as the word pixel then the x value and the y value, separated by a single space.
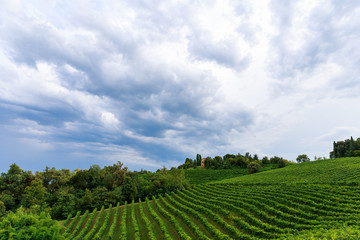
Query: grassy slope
pixel 314 200
pixel 342 171
pixel 201 175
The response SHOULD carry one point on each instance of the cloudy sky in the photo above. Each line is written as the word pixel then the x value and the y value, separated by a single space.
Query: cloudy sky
pixel 150 83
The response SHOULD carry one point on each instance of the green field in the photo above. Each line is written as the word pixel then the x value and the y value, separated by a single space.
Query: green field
pixel 201 175
pixel 341 171
pixel 313 200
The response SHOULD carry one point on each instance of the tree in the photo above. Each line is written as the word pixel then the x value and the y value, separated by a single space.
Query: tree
pixel 62 203
pixel 275 160
pixel 228 156
pixel 254 167
pixel 13 183
pixel 242 161
pixel 281 163
pixel 208 162
pixel 198 159
pixel 35 194
pixel 218 162
pixel 265 160
pixel 248 156
pixel 54 179
pixel 302 158
pixel 120 173
pixel 86 200
pixel 8 201
pixel 351 147
pixel 188 163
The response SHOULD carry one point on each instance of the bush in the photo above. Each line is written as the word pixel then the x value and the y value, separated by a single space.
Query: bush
pixel 254 167
pixel 302 158
pixel 28 225
pixel 265 160
pixel 281 163
pixel 357 153
pixel 275 160
pixel 2 209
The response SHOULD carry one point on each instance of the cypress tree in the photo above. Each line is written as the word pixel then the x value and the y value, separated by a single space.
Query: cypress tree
pixel 198 159
pixel 351 147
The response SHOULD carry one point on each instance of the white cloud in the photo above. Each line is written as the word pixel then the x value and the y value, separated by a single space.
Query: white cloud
pixel 109 120
pixel 209 77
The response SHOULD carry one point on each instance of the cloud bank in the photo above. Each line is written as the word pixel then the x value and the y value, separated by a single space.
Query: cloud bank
pixel 150 83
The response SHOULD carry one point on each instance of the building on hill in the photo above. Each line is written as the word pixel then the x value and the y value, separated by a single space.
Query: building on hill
pixel 203 162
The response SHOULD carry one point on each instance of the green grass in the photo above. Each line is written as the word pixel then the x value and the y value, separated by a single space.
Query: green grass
pixel 342 171
pixel 313 200
pixel 201 175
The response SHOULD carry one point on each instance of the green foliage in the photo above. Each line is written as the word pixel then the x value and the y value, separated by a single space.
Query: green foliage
pixel 229 161
pixel 103 227
pixel 313 200
pixel 35 194
pixel 8 200
pixel 27 225
pixel 332 171
pixel 188 163
pixel 62 192
pixel 201 175
pixel 254 167
pixel 265 160
pixel 114 222
pixel 166 181
pixel 62 203
pixel 357 153
pixel 134 222
pixel 12 186
pixel 302 158
pixel 95 227
pixel 198 159
pixel 123 222
pixel 2 209
pixel 275 160
pixel 343 233
pixel 346 148
pixel 281 163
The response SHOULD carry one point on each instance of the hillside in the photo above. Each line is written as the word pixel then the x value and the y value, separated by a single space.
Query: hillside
pixel 340 171
pixel 203 175
pixel 301 201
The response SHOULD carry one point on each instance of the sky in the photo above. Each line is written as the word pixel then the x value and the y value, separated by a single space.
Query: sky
pixel 150 83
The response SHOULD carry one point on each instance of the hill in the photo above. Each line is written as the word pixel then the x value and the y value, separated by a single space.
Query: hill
pixel 202 175
pixel 339 171
pixel 301 201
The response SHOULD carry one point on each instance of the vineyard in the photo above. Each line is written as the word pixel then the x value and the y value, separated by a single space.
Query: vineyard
pixel 281 208
pixel 202 175
pixel 341 171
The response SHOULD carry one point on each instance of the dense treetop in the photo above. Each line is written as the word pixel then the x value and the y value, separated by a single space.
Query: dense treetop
pixel 346 148
pixel 63 192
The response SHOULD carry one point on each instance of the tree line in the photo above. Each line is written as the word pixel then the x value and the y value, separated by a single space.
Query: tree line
pixel 346 148
pixel 63 192
pixel 252 162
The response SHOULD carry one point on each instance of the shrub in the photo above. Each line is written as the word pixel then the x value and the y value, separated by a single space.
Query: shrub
pixel 275 160
pixel 302 158
pixel 281 163
pixel 254 167
pixel 28 225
